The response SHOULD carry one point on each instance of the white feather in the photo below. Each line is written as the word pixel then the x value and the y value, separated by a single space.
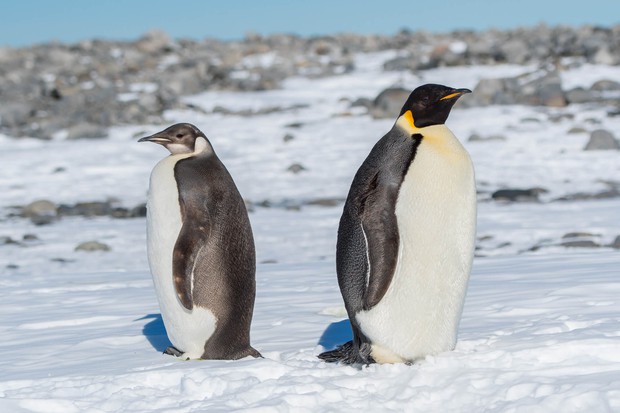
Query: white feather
pixel 436 212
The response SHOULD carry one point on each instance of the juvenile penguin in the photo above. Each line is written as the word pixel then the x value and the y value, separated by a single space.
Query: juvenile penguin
pixel 406 237
pixel 200 248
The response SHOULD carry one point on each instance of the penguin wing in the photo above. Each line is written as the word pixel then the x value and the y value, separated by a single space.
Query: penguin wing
pixel 378 221
pixel 189 174
pixel 192 238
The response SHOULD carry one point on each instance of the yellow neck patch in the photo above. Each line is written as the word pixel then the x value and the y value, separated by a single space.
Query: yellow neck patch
pixel 405 122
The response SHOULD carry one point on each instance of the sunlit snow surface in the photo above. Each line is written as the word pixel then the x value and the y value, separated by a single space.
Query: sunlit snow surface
pixel 540 332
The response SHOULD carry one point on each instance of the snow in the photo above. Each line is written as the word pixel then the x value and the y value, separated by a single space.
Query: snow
pixel 82 332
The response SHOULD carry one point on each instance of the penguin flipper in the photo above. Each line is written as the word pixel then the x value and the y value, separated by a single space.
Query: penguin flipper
pixel 378 221
pixel 190 241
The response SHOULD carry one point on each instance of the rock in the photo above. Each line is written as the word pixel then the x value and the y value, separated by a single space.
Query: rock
pixel 389 103
pixel 544 89
pixel 577 129
pixel 601 139
pixel 401 64
pixel 580 244
pixel 91 246
pixel 477 138
pixel 518 195
pixel 493 92
pixel 296 168
pixel 4 240
pixel 87 209
pixel 14 114
pixel 580 95
pixel 605 85
pixel 325 202
pixel 138 211
pixel 86 130
pixel 578 235
pixel 30 237
pixel 288 137
pixel 362 102
pixel 153 42
pixel 604 57
pixel 41 212
pixel 616 243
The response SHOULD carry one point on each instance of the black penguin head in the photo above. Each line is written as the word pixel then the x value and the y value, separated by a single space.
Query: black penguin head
pixel 430 104
pixel 179 138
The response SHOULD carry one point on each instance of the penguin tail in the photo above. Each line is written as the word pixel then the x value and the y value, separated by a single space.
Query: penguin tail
pixel 347 353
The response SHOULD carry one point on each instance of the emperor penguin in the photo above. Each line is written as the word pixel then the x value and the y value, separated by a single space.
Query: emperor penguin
pixel 406 237
pixel 200 249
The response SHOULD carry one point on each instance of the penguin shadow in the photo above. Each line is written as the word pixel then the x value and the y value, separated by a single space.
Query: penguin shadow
pixel 155 332
pixel 336 334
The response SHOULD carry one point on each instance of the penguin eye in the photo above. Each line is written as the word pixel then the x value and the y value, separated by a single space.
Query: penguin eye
pixel 179 135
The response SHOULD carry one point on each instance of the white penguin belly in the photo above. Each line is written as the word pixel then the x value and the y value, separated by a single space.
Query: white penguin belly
pixel 188 330
pixel 436 213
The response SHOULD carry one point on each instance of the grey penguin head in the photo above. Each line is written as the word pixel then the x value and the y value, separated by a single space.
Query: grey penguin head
pixel 430 104
pixel 179 138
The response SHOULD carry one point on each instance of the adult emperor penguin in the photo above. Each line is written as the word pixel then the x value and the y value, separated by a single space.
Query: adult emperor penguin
pixel 406 237
pixel 200 249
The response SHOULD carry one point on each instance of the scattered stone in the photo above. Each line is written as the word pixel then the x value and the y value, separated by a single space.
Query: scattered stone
pixel 616 243
pixel 578 235
pixel 91 246
pixel 580 244
pixel 296 168
pixel 41 212
pixel 602 139
pixel 389 102
pixel 294 125
pixel 605 85
pixel 478 138
pixel 581 95
pixel 325 202
pixel 269 261
pixel 518 195
pixel 288 137
pixel 576 130
pixel 30 237
pixel 5 240
pixel 12 266
pixel 62 260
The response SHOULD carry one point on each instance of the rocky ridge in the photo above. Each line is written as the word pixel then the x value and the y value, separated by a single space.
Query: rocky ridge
pixel 79 90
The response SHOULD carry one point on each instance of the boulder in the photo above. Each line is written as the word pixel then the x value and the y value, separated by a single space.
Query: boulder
pixel 91 246
pixel 41 212
pixel 86 130
pixel 601 139
pixel 389 103
pixel 518 195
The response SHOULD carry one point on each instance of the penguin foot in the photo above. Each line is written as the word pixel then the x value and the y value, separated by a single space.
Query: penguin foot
pixel 173 351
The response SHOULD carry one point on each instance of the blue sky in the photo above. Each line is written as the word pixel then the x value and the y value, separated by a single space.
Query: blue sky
pixel 26 22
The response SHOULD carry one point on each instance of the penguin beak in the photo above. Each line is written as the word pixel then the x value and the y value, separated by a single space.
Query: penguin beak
pixel 160 139
pixel 455 94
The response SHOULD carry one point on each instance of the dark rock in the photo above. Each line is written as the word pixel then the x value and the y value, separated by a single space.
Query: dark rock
pixel 295 125
pixel 581 95
pixel 91 246
pixel 601 139
pixel 4 240
pixel 87 209
pixel 577 129
pixel 41 212
pixel 616 243
pixel 580 244
pixel 605 85
pixel 325 202
pixel 138 211
pixel 389 103
pixel 288 137
pixel 362 102
pixel 296 168
pixel 578 235
pixel 30 237
pixel 518 195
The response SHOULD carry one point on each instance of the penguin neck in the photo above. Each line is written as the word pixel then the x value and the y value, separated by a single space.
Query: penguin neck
pixel 405 123
pixel 201 147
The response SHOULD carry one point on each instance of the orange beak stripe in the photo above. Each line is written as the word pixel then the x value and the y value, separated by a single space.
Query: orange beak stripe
pixel 451 95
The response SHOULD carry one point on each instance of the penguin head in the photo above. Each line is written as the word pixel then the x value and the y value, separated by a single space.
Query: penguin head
pixel 430 104
pixel 180 138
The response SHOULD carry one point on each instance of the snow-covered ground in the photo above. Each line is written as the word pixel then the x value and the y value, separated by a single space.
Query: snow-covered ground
pixel 540 330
